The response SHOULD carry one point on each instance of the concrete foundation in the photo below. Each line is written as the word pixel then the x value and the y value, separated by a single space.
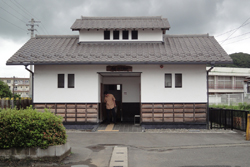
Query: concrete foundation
pixel 57 153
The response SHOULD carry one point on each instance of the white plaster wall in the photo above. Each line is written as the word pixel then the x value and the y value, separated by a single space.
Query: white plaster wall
pixel 143 35
pixel 130 85
pixel 87 83
pixel 153 84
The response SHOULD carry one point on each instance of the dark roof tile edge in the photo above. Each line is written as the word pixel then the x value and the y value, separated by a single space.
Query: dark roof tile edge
pixel 56 36
pixel 120 18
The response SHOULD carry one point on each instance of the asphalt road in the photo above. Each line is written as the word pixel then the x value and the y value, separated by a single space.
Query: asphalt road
pixel 160 149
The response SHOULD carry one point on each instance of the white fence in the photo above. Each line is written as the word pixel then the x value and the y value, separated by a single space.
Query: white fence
pixel 229 99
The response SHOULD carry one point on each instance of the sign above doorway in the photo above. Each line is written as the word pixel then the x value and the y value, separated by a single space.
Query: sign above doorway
pixel 119 68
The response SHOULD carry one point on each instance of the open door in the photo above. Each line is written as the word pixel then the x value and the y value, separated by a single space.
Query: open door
pixel 116 90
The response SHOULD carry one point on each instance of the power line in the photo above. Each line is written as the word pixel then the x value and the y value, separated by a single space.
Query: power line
pixel 13 24
pixel 231 30
pixel 14 9
pixel 238 41
pixel 30 14
pixel 43 28
pixel 235 31
pixel 12 14
pixel 237 36
pixel 21 8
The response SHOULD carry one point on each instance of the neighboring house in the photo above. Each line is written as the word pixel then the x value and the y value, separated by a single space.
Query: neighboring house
pixel 226 80
pixel 18 85
pixel 226 85
pixel 161 78
pixel 247 85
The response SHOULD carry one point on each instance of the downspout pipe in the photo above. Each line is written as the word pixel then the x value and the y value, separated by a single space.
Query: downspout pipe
pixel 208 94
pixel 32 82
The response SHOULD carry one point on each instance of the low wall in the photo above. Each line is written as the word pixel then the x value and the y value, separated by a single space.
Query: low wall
pixel 55 153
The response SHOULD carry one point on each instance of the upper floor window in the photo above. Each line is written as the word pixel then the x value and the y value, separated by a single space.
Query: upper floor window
pixel 168 80
pixel 8 81
pixel 178 80
pixel 211 82
pixel 106 35
pixel 224 82
pixel 134 34
pixel 239 82
pixel 125 34
pixel 116 34
pixel 248 87
pixel 60 80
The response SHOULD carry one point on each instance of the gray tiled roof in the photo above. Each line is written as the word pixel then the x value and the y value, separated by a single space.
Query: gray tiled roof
pixel 67 50
pixel 156 22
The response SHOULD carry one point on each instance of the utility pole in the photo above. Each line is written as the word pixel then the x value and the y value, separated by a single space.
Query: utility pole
pixel 32 25
pixel 13 87
pixel 32 29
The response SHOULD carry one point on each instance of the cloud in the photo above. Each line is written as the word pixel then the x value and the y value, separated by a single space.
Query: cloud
pixel 7 49
pixel 185 17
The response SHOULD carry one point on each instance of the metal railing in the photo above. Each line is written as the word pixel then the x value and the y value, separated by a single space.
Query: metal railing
pixel 228 119
pixel 221 86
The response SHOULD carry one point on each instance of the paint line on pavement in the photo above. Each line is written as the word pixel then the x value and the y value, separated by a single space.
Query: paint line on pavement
pixel 109 128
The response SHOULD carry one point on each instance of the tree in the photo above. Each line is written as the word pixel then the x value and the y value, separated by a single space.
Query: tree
pixel 240 60
pixel 4 90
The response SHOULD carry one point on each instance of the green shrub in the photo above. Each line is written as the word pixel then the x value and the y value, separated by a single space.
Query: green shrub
pixel 30 128
pixel 240 106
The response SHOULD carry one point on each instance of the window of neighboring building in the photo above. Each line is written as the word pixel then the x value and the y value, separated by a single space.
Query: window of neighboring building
pixel 239 82
pixel 178 80
pixel 8 81
pixel 211 82
pixel 106 35
pixel 168 80
pixel 248 87
pixel 71 80
pixel 116 34
pixel 224 82
pixel 125 34
pixel 134 34
pixel 60 79
pixel 15 81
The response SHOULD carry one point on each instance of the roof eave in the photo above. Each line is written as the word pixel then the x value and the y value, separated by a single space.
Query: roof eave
pixel 113 63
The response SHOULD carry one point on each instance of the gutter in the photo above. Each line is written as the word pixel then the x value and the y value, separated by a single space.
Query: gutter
pixel 32 82
pixel 212 63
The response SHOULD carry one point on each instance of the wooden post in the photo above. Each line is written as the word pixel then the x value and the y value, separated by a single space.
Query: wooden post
pixel 12 102
pixel 248 128
pixel 7 102
pixel 18 103
pixel 2 103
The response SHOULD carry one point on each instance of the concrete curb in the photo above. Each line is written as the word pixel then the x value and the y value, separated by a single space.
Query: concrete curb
pixel 55 153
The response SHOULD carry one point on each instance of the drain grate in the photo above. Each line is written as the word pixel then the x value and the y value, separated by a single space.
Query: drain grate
pixel 119 157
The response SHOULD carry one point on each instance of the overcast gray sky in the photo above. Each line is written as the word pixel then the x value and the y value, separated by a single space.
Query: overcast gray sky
pixel 216 17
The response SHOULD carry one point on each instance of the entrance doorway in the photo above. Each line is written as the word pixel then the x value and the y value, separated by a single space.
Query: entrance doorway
pixel 116 90
pixel 126 87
